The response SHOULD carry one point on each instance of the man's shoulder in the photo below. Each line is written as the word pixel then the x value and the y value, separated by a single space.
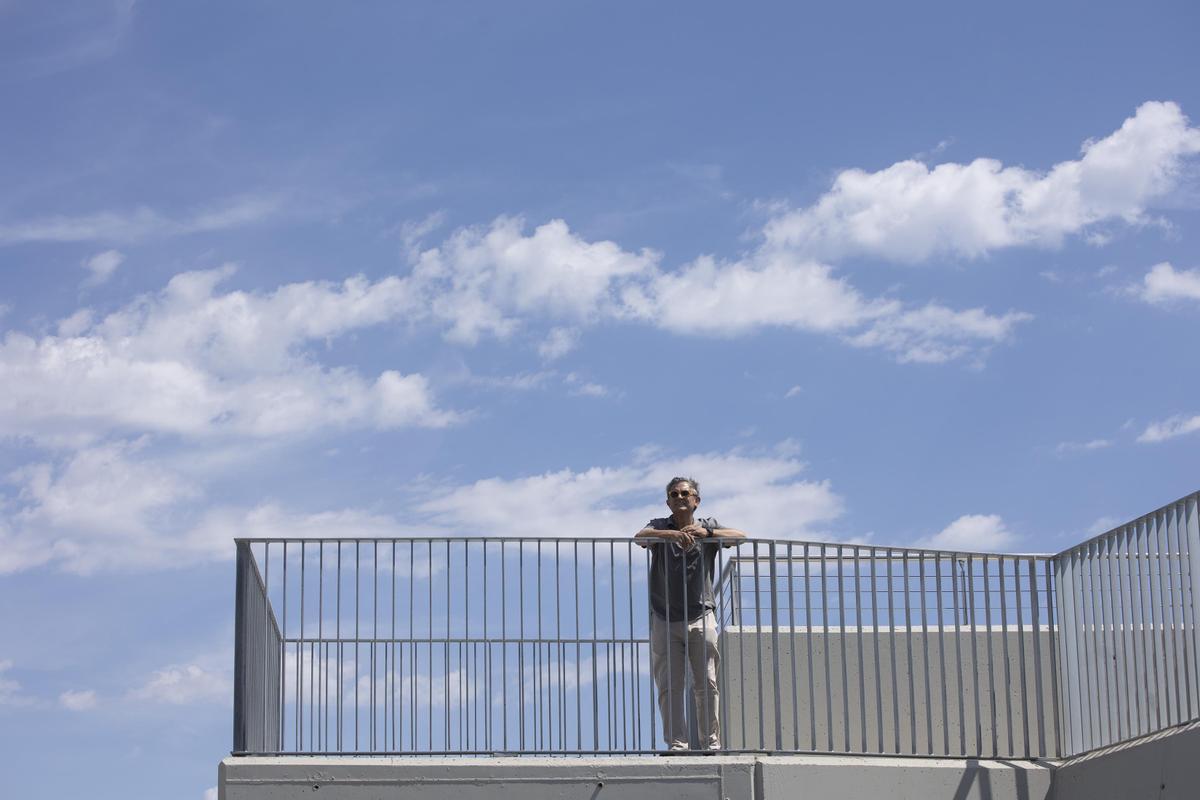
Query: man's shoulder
pixel 708 522
pixel 659 524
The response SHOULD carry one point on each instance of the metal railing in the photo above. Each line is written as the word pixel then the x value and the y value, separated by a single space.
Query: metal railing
pixel 469 646
pixel 1130 650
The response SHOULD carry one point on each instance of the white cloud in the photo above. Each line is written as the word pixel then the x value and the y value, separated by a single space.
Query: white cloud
pixel 1165 284
pixel 911 212
pixel 191 360
pixel 558 343
pixel 486 280
pixel 935 334
pixel 795 391
pixel 1066 448
pixel 10 689
pixel 764 496
pixel 1178 425
pixel 102 266
pixel 140 224
pixel 972 532
pixel 185 684
pixel 210 793
pixel 1102 525
pixel 81 700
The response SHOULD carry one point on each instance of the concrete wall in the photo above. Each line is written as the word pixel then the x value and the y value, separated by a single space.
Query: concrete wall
pixel 1163 767
pixel 673 778
pixel 935 719
pixel 342 778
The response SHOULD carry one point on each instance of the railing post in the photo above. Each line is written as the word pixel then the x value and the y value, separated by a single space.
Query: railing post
pixel 239 649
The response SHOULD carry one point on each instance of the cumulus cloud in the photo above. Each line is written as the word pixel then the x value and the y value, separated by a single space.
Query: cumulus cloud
pixel 1165 284
pixel 742 491
pixel 194 361
pixel 185 684
pixel 484 280
pixel 911 212
pixel 972 532
pixel 490 281
pixel 102 266
pixel 1169 428
pixel 78 700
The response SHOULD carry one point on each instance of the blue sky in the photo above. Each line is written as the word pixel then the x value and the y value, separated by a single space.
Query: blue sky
pixel 919 274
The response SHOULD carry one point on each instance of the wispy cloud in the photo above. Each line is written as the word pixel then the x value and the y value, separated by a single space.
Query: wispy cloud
pixel 78 700
pixel 140 224
pixel 1170 428
pixel 1067 448
pixel 102 266
pixel 80 33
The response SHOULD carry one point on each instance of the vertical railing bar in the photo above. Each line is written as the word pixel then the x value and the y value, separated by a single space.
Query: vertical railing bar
pixel 1038 688
pixel 941 625
pixel 1103 559
pixel 413 714
pixel 595 681
pixel 521 644
pixel 300 656
pixel 974 628
pixel 1191 509
pixel 1133 570
pixel 283 658
pixel 725 566
pixel 1004 654
pixel 987 621
pixel 875 648
pixel 1021 657
pixel 1166 599
pixel 892 654
pixel 357 636
pixel 1128 684
pixel 635 680
pixel 1117 663
pixel 1181 619
pixel 446 711
pixel 858 626
pixel 1054 623
pixel 340 651
pixel 395 714
pixel 958 631
pixel 825 628
pixel 758 637
pixel 778 711
pixel 429 644
pixel 266 651
pixel 374 629
pixel 812 690
pixel 579 657
pixel 908 642
pixel 1107 641
pixel 793 683
pixel 323 737
pixel 655 689
pixel 541 735
pixel 842 636
pixel 1147 605
pixel 925 652
pixel 612 599
pixel 1091 703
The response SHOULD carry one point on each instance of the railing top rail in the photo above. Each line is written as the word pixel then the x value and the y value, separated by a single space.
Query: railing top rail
pixel 831 548
pixel 1193 497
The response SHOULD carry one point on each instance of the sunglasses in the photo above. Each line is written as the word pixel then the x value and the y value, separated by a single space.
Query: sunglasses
pixel 679 493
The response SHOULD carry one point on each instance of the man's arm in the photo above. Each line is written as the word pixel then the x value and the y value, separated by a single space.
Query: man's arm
pixel 731 535
pixel 682 538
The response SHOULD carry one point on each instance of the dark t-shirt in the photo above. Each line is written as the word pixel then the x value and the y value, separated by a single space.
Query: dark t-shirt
pixel 676 573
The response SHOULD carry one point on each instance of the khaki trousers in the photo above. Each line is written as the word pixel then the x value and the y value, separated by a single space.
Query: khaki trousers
pixel 694 644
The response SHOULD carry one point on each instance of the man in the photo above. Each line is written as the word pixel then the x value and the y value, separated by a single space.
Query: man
pixel 683 625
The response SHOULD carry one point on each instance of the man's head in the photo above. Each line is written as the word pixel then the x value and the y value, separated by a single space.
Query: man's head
pixel 683 494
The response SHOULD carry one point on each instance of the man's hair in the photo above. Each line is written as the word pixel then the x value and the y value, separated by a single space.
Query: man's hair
pixel 695 484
